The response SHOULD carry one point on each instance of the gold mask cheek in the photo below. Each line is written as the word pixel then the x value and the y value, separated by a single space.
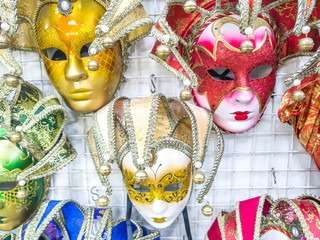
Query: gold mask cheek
pixel 136 197
pixel 14 212
pixel 107 79
pixel 179 176
pixel 56 73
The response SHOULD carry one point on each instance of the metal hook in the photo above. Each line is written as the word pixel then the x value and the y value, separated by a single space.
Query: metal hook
pixel 94 193
pixel 275 181
pixel 153 83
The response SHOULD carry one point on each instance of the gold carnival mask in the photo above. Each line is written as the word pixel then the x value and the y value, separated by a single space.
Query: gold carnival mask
pixel 64 44
pixel 159 145
pixel 84 47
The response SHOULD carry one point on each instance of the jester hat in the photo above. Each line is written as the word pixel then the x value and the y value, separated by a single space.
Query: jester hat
pixel 253 218
pixel 143 127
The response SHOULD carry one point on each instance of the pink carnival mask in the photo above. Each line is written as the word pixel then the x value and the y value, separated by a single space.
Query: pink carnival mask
pixel 236 86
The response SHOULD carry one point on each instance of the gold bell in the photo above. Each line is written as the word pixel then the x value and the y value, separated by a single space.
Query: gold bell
pixel 246 46
pixel 16 137
pixel 163 51
pixel 140 176
pixel 108 43
pixel 306 44
pixel 298 96
pixel 185 95
pixel 93 65
pixel 105 169
pixel 190 6
pixel 11 80
pixel 4 42
pixel 199 178
pixel 22 194
pixel 207 210
pixel 103 201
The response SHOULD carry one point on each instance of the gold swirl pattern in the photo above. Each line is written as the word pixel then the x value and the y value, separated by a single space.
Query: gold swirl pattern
pixel 157 189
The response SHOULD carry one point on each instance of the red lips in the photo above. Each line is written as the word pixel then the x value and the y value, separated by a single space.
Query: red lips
pixel 240 116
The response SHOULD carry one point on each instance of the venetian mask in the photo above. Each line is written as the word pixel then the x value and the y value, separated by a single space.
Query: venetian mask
pixel 15 211
pixel 235 85
pixel 228 70
pixel 262 218
pixel 32 147
pixel 66 30
pixel 64 42
pixel 160 146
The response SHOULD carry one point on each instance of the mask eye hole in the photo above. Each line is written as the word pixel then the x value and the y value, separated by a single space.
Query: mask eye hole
pixel 173 187
pixel 260 71
pixel 54 54
pixel 7 186
pixel 223 74
pixel 141 188
pixel 84 52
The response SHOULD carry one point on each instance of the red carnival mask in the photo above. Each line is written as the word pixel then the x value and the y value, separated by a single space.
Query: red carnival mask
pixel 235 85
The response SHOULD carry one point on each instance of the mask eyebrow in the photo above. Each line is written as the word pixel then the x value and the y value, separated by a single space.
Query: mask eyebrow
pixel 48 38
pixel 85 35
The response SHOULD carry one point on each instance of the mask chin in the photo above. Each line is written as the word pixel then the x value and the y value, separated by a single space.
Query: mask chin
pixel 274 235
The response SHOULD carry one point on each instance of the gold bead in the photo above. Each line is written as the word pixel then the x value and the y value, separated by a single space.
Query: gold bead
pixel 298 96
pixel 93 65
pixel 190 6
pixel 4 42
pixel 199 178
pixel 140 176
pixel 11 80
pixel 16 137
pixel 22 194
pixel 207 210
pixel 163 51
pixel 105 169
pixel 103 201
pixel 246 46
pixel 306 44
pixel 185 95
pixel 108 43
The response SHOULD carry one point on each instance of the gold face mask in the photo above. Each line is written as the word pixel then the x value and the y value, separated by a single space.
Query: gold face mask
pixel 14 211
pixel 64 43
pixel 162 188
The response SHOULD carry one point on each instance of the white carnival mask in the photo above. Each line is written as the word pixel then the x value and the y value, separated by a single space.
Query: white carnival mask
pixel 159 145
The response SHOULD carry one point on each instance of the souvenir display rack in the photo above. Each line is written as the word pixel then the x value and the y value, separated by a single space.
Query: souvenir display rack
pixel 246 167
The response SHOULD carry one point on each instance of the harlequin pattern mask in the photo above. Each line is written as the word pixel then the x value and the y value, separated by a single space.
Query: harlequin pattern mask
pixel 86 81
pixel 32 147
pixel 262 218
pixel 164 138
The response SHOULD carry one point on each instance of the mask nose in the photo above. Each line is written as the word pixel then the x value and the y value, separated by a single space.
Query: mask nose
pixel 159 206
pixel 242 96
pixel 74 70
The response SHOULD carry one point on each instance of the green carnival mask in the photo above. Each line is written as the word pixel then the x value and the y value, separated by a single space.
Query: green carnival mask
pixel 15 211
pixel 32 148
